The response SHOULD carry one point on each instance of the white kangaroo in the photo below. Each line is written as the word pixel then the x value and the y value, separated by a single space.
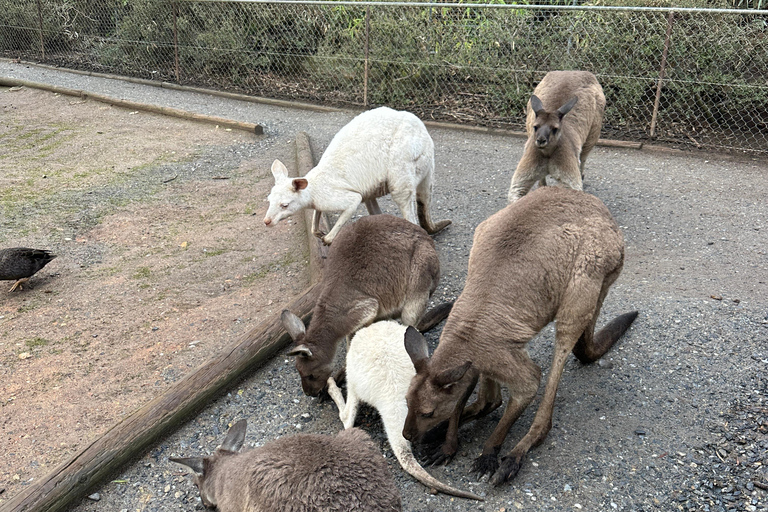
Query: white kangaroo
pixel 379 372
pixel 381 151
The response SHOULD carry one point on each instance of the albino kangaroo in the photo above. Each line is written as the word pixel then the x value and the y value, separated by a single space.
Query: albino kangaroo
pixel 380 267
pixel 378 373
pixel 552 255
pixel 558 144
pixel 381 151
pixel 301 473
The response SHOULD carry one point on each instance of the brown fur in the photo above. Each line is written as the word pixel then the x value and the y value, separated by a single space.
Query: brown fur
pixel 379 267
pixel 559 143
pixel 301 473
pixel 550 256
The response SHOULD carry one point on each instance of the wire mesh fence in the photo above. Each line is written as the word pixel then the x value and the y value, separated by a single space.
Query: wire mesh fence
pixel 680 76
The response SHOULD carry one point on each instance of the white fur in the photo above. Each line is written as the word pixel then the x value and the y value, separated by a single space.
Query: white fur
pixel 380 151
pixel 379 372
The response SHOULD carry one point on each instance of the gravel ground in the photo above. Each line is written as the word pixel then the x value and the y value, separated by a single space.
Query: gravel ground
pixel 673 418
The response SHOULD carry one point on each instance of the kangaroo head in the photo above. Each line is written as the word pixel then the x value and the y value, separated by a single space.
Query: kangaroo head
pixel 205 466
pixel 314 369
pixel 287 196
pixel 433 394
pixel 546 126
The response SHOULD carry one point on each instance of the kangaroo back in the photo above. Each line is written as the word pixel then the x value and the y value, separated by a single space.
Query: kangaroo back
pixel 299 473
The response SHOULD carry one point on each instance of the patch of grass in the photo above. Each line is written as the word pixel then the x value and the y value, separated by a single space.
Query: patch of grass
pixel 213 252
pixel 286 260
pixel 142 273
pixel 36 342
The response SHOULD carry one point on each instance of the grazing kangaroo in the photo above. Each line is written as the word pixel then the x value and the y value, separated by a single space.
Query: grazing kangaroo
pixel 381 151
pixel 380 267
pixel 378 373
pixel 552 255
pixel 301 473
pixel 558 144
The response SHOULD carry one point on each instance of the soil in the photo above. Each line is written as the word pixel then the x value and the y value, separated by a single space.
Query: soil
pixel 156 225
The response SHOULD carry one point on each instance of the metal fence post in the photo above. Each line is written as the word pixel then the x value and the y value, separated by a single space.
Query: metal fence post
pixel 367 36
pixel 661 73
pixel 40 21
pixel 176 40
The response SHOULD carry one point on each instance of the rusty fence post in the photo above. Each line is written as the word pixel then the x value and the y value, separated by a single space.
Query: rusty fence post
pixel 367 36
pixel 670 19
pixel 176 40
pixel 40 29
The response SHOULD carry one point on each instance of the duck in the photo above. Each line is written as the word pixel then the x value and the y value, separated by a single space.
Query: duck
pixel 21 263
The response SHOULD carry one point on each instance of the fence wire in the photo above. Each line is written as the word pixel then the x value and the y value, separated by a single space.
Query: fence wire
pixel 683 77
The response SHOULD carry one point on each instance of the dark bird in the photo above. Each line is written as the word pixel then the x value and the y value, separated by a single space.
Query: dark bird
pixel 21 263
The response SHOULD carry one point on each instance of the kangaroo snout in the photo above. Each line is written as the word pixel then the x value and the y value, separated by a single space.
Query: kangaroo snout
pixel 268 222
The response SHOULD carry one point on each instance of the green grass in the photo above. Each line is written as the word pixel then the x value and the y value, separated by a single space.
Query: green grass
pixel 142 273
pixel 36 342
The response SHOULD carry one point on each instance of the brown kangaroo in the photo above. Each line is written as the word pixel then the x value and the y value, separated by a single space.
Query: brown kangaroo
pixel 558 144
pixel 301 473
pixel 379 267
pixel 552 255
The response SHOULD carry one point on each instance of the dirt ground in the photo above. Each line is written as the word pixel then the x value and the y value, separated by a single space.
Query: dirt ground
pixel 156 223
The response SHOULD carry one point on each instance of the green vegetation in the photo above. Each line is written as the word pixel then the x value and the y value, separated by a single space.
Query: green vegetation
pixel 468 64
pixel 36 342
pixel 142 273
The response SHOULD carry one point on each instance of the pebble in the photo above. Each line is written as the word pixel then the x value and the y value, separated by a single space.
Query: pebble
pixel 94 497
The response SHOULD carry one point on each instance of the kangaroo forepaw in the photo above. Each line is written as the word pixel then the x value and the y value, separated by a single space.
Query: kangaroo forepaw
pixel 437 455
pixel 485 465
pixel 508 469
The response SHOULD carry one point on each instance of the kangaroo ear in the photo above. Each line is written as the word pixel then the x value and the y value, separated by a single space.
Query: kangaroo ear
pixel 301 351
pixel 416 346
pixel 536 105
pixel 567 107
pixel 235 437
pixel 451 376
pixel 299 184
pixel 194 463
pixel 279 170
pixel 293 325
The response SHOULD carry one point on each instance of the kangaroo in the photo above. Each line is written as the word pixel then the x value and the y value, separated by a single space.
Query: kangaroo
pixel 558 144
pixel 381 151
pixel 378 373
pixel 552 255
pixel 301 473
pixel 380 267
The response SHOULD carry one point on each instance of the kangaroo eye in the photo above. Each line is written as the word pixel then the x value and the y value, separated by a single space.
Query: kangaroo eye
pixel 283 205
pixel 427 414
pixel 554 131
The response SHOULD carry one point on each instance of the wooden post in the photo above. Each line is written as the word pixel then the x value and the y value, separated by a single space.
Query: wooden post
pixel 318 252
pixel 176 40
pixel 367 37
pixel 40 22
pixel 661 73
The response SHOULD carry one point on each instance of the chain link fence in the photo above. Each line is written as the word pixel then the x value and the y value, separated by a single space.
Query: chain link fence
pixel 695 77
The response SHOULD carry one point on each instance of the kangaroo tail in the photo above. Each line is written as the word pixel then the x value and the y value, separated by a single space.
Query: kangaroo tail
pixel 412 467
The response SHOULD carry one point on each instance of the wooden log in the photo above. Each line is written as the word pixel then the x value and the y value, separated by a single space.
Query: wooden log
pixel 318 252
pixel 134 105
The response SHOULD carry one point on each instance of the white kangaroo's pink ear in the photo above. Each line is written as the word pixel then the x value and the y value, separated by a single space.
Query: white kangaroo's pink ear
pixel 299 184
pixel 279 170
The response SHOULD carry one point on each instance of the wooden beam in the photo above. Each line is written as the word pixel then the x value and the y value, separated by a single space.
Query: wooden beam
pixel 134 105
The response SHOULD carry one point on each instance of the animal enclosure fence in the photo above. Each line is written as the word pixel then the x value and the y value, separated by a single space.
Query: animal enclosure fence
pixel 682 76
